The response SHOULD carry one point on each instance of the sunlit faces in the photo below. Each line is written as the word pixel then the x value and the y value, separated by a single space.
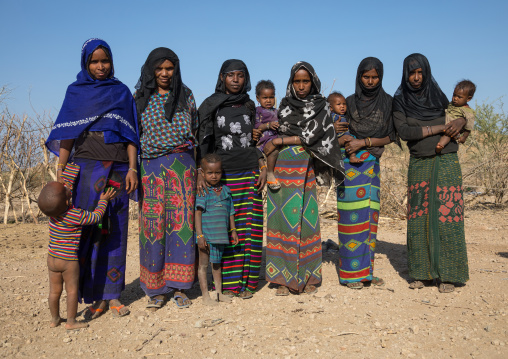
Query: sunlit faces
pixel 163 74
pixel 212 172
pixel 266 98
pixel 370 79
pixel 338 105
pixel 234 81
pixel 416 78
pixel 460 97
pixel 302 83
pixel 99 65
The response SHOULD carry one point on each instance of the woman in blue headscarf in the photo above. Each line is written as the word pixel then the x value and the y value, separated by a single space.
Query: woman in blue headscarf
pixel 97 129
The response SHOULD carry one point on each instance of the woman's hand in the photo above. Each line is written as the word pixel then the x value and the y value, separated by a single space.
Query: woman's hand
pixel 256 134
pixel 202 186
pixel 131 181
pixel 341 126
pixel 453 128
pixel 354 145
pixel 260 184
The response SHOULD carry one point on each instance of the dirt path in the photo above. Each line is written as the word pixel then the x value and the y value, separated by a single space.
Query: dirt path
pixel 336 322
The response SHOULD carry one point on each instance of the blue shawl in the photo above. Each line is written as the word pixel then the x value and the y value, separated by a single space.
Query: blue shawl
pixel 92 105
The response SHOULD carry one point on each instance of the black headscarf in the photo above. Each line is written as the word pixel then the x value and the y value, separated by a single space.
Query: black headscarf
pixel 425 103
pixel 147 83
pixel 369 111
pixel 210 105
pixel 310 120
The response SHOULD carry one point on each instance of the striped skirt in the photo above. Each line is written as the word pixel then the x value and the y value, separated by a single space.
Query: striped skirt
pixel 358 215
pixel 241 263
pixel 436 243
pixel 293 249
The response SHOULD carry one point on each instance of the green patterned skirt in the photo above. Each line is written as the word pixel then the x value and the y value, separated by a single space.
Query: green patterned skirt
pixel 436 241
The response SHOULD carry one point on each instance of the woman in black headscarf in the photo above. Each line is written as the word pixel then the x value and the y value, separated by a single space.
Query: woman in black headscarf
pixel 226 121
pixel 168 120
pixel 435 228
pixel 369 112
pixel 308 149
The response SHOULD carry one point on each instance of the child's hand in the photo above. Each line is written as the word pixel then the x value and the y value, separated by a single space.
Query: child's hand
pixel 109 194
pixel 234 236
pixel 274 125
pixel 202 244
pixel 256 134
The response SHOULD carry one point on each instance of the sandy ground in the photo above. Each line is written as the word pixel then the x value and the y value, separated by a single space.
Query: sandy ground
pixel 336 322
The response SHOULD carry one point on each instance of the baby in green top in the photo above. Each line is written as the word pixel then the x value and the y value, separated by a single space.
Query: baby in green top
pixel 458 108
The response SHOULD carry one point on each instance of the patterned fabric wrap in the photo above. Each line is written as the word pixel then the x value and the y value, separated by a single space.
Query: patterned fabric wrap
pixel 293 249
pixel 167 248
pixel 358 215
pixel 102 251
pixel 160 136
pixel 436 244
pixel 241 263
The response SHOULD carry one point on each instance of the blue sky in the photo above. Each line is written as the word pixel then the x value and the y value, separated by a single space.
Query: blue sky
pixel 41 42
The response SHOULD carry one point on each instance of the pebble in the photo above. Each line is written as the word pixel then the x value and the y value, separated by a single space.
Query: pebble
pixel 495 342
pixel 213 351
pixel 67 340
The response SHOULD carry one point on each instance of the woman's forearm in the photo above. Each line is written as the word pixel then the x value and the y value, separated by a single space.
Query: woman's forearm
pixel 65 151
pixel 132 153
pixel 378 142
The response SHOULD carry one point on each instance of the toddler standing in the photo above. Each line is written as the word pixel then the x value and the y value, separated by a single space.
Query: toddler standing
pixel 214 212
pixel 65 227
pixel 458 108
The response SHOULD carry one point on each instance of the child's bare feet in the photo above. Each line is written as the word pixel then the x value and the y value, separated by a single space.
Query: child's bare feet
pixel 354 159
pixel 443 141
pixel 209 301
pixel 224 298
pixel 55 322
pixel 74 325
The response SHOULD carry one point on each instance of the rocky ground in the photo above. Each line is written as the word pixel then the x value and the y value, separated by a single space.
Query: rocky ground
pixel 390 322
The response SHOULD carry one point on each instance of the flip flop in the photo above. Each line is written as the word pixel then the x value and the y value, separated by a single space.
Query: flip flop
pixel 184 304
pixel 229 293
pixel 417 284
pixel 274 185
pixel 446 288
pixel 245 295
pixel 92 313
pixel 115 311
pixel 355 285
pixel 310 289
pixel 155 303
pixel 378 282
pixel 282 291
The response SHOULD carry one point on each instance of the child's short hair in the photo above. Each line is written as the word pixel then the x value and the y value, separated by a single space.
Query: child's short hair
pixel 466 85
pixel 335 94
pixel 211 158
pixel 264 85
pixel 53 199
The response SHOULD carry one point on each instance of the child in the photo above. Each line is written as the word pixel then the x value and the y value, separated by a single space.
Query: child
pixel 338 108
pixel 213 211
pixel 65 226
pixel 458 108
pixel 268 123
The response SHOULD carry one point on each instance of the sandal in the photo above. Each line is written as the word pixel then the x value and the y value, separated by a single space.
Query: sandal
pixel 310 289
pixel 245 295
pixel 446 288
pixel 417 284
pixel 282 291
pixel 186 302
pixel 229 293
pixel 155 302
pixel 378 282
pixel 94 313
pixel 274 185
pixel 355 285
pixel 115 311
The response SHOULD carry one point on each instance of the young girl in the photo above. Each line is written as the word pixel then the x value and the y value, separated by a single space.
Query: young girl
pixel 268 123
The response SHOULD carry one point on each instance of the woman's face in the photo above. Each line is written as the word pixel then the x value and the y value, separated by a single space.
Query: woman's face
pixel 99 66
pixel 234 81
pixel 302 83
pixel 163 75
pixel 370 79
pixel 416 78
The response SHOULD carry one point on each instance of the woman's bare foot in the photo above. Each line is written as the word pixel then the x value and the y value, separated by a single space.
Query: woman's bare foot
pixel 272 182
pixel 95 310
pixel 354 159
pixel 117 309
pixel 73 325
pixel 55 322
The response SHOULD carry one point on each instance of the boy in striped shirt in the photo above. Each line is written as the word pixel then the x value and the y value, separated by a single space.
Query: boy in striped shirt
pixel 214 211
pixel 65 225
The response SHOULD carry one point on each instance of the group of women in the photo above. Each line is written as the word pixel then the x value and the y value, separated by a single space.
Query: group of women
pixel 104 130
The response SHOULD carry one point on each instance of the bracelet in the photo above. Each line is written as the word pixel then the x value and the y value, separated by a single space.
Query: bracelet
pixel 428 130
pixel 263 166
pixel 370 142
pixel 282 141
pixel 431 132
pixel 232 229
pixel 268 126
pixel 61 165
pixel 296 138
pixel 200 236
pixel 133 170
pixel 59 169
pixel 365 141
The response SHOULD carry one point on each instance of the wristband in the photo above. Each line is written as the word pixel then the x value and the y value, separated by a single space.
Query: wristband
pixel 232 229
pixel 133 170
pixel 268 126
pixel 365 141
pixel 200 236
pixel 282 141
pixel 61 165
pixel 370 142
pixel 263 166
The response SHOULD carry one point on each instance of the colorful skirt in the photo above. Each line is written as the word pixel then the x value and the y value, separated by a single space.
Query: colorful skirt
pixel 436 243
pixel 293 249
pixel 241 263
pixel 102 251
pixel 358 215
pixel 167 248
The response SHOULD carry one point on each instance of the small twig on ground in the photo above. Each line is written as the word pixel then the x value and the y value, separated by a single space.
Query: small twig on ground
pixel 149 340
pixel 390 289
pixel 440 306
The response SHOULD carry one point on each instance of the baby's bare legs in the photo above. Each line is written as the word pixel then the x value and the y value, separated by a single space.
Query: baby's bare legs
pixel 442 143
pixel 217 278
pixel 271 161
pixel 71 279
pixel 55 292
pixel 203 282
pixel 354 159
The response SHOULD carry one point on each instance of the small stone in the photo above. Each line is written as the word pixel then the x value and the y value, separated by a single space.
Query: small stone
pixel 67 340
pixel 240 328
pixel 495 342
pixel 487 328
pixel 213 351
pixel 141 319
pixel 199 335
pixel 377 324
